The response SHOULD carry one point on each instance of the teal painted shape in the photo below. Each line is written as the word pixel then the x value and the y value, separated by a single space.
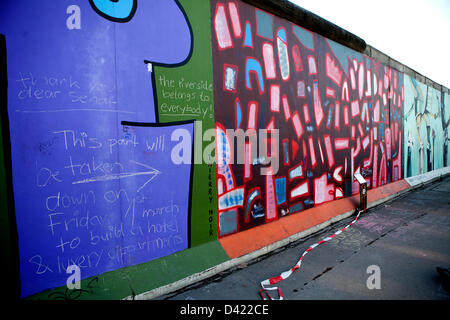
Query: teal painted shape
pixel 253 65
pixel 238 114
pixel 280 187
pixel 286 152
pixel 368 64
pixel 296 207
pixel 282 34
pixel 343 54
pixel 248 38
pixel 445 113
pixel 121 9
pixel 228 222
pixel 425 138
pixel 304 36
pixel 264 24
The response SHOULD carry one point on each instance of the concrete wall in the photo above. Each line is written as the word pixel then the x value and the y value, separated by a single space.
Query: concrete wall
pixel 337 112
pixel 426 128
pixel 109 115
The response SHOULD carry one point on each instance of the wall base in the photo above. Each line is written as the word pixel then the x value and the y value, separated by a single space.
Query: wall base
pixel 253 243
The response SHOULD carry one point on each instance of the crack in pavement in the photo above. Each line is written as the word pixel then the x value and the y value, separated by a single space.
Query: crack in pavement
pixel 323 272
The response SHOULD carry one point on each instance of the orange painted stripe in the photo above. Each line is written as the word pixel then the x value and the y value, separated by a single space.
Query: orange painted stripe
pixel 247 241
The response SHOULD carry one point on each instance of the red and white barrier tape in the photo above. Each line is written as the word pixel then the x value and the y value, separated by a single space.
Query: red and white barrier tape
pixel 286 274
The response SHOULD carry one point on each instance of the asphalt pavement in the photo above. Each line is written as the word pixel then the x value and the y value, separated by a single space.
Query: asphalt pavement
pixel 390 253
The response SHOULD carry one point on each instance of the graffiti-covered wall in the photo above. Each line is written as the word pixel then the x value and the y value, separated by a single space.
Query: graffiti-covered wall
pixel 427 120
pixel 96 180
pixel 337 112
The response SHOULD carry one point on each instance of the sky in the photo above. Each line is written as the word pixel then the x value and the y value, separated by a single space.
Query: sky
pixel 413 32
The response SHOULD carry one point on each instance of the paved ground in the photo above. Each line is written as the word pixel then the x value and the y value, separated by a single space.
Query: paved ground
pixel 407 238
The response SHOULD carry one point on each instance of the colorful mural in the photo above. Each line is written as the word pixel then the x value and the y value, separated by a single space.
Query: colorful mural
pixel 337 112
pixel 445 120
pixel 103 95
pixel 427 119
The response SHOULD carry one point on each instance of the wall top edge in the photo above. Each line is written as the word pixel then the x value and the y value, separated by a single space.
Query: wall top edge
pixel 384 58
pixel 304 18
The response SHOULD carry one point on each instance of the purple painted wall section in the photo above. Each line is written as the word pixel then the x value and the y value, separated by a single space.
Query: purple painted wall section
pixel 104 59
pixel 88 190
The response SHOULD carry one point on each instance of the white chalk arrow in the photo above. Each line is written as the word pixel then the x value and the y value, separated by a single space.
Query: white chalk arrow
pixel 116 176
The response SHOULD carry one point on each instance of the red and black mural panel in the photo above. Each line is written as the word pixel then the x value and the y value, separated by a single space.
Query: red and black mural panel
pixel 337 112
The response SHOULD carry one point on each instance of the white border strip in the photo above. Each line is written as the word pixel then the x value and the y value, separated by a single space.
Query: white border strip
pixel 427 177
